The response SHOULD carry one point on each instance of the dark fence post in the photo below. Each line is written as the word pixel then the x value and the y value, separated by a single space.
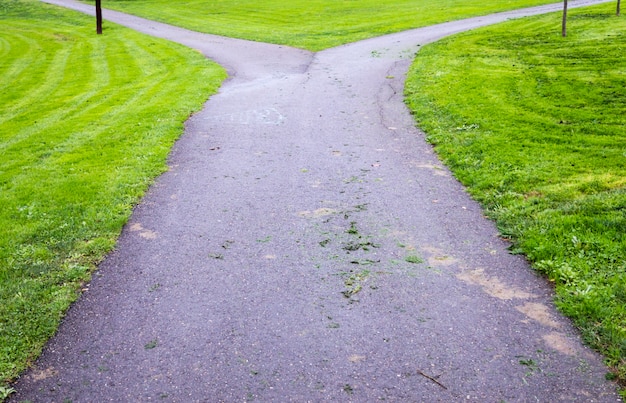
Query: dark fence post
pixel 564 25
pixel 98 17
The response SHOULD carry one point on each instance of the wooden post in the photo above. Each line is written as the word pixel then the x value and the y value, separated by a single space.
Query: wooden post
pixel 98 17
pixel 618 7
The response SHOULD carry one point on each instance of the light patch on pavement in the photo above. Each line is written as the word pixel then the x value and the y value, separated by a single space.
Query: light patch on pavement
pixel 560 342
pixel 316 184
pixel 538 312
pixel 435 169
pixel 266 116
pixel 356 358
pixel 320 212
pixel 438 257
pixel 40 375
pixel 493 286
pixel 144 233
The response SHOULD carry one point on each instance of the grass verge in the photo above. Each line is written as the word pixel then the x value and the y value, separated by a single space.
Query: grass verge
pixel 535 125
pixel 85 126
pixel 310 24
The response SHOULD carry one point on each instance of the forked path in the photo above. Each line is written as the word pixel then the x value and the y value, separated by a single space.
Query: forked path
pixel 307 245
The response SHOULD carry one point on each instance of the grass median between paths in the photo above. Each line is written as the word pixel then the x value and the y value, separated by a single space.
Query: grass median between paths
pixel 85 126
pixel 310 24
pixel 535 125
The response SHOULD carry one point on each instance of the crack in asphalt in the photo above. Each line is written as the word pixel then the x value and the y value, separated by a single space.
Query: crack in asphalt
pixel 307 245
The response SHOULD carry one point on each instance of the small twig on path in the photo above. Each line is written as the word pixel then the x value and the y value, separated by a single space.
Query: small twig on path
pixel 431 378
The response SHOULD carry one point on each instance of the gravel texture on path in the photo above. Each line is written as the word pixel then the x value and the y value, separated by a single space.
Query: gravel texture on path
pixel 307 245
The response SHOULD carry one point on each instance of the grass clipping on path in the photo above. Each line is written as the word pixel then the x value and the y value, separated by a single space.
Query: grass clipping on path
pixel 535 125
pixel 311 24
pixel 85 126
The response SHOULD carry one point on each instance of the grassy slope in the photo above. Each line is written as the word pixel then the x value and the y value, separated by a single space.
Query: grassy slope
pixel 535 125
pixel 310 24
pixel 86 124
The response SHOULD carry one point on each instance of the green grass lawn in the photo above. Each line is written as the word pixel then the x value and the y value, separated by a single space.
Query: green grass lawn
pixel 86 123
pixel 535 125
pixel 310 24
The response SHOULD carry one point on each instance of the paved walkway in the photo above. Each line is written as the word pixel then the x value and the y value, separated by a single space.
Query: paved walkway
pixel 307 245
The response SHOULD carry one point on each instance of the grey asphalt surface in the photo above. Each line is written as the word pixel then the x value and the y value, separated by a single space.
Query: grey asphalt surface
pixel 270 262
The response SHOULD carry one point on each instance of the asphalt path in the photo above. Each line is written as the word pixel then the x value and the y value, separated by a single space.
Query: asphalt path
pixel 307 245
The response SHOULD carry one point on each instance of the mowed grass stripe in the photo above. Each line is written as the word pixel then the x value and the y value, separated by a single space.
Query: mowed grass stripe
pixel 69 95
pixel 535 125
pixel 38 79
pixel 57 90
pixel 14 46
pixel 84 130
pixel 85 95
